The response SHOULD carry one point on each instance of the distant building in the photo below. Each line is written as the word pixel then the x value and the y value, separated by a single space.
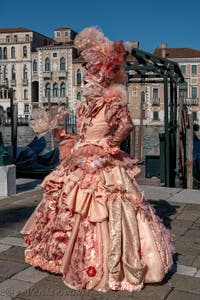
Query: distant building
pixel 17 46
pixel 189 62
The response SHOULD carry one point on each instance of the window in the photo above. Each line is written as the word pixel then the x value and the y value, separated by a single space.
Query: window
pixel 35 65
pixel 15 38
pixel 14 94
pixel 47 90
pixel 78 96
pixel 26 108
pixel 155 93
pixel 47 65
pixel 66 33
pixel 13 52
pixel 183 69
pixel 7 39
pixel 1 53
pixel 13 74
pixel 58 34
pixel 27 37
pixel 194 114
pixel 25 94
pixel 194 69
pixel 55 54
pixel 5 53
pixel 5 73
pixel 62 90
pixel 1 74
pixel 24 51
pixel 55 90
pixel 194 92
pixel 62 64
pixel 25 73
pixel 156 115
pixel 78 77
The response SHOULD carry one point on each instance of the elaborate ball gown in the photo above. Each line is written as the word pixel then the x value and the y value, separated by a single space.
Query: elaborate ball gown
pixel 93 225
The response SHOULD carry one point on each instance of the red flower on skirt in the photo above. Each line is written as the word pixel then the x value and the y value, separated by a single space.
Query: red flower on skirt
pixel 91 271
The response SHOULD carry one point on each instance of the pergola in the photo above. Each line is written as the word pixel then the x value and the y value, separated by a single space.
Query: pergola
pixel 148 68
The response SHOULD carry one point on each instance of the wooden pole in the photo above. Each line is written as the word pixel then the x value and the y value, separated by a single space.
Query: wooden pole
pixel 189 149
pixel 140 131
pixel 51 133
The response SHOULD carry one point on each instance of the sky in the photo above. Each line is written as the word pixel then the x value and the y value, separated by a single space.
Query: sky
pixel 151 22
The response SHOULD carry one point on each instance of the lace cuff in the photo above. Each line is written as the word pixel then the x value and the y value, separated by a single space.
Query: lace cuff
pixel 43 121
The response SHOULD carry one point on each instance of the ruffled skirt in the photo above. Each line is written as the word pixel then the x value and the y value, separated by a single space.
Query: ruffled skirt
pixel 95 228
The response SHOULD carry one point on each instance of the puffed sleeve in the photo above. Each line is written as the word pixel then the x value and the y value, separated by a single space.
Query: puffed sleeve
pixel 118 118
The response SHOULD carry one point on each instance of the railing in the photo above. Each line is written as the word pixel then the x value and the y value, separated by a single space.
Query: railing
pixel 191 101
pixel 62 74
pixel 13 82
pixel 155 101
pixel 47 74
pixel 24 82
pixel 13 40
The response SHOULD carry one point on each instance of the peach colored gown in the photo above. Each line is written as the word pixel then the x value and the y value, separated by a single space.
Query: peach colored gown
pixel 93 225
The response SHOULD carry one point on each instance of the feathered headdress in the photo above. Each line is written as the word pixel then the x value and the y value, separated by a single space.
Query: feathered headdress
pixel 105 59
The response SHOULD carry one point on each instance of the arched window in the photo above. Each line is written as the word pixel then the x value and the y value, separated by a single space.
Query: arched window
pixel 1 53
pixel 25 51
pixel 13 52
pixel 1 74
pixel 62 90
pixel 62 64
pixel 25 73
pixel 5 73
pixel 78 77
pixel 25 94
pixel 5 53
pixel 14 94
pixel 35 65
pixel 47 65
pixel 47 90
pixel 55 90
pixel 78 96
pixel 13 74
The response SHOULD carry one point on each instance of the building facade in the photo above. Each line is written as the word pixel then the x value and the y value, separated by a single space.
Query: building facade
pixel 189 63
pixel 17 46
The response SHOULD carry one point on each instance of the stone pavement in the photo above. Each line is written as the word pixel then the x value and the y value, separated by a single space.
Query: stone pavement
pixel 180 211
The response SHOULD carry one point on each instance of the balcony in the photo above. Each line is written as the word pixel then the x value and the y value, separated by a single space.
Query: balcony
pixel 62 74
pixel 191 101
pixel 155 101
pixel 13 82
pixel 4 83
pixel 25 82
pixel 47 75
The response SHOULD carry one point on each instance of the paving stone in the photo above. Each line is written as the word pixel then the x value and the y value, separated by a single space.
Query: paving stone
pixel 4 247
pixel 186 259
pixel 185 248
pixel 197 274
pixel 152 292
pixel 186 270
pixel 31 275
pixel 188 215
pixel 196 262
pixel 13 253
pixel 186 196
pixel 11 287
pixel 9 268
pixel 180 295
pixel 179 227
pixel 12 241
pixel 185 283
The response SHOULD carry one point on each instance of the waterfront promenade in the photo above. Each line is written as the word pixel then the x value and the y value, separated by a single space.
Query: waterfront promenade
pixel 180 211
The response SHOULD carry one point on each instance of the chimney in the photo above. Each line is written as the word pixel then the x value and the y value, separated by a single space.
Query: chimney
pixel 163 50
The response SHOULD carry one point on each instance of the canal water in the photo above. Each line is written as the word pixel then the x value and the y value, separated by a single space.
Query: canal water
pixel 25 135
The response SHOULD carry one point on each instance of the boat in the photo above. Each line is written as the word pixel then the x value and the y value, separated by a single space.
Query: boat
pixel 35 160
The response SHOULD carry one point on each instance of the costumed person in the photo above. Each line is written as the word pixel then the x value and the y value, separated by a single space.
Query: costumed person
pixel 94 225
